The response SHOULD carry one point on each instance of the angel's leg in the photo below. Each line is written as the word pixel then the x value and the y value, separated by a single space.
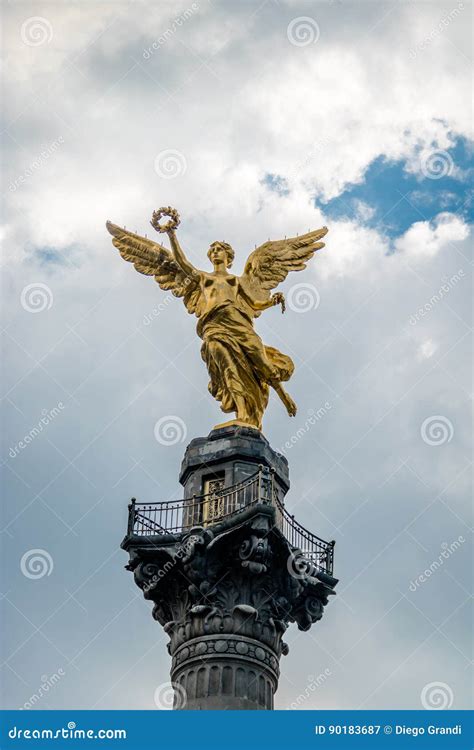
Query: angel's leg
pixel 255 351
pixel 226 373
pixel 287 400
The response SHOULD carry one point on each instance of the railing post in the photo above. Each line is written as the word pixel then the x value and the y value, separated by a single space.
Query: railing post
pixel 259 486
pixel 331 556
pixel 131 516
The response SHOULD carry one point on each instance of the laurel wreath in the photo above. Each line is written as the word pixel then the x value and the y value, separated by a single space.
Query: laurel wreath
pixel 165 211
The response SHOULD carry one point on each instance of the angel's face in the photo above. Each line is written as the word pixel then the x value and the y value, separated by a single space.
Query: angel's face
pixel 218 255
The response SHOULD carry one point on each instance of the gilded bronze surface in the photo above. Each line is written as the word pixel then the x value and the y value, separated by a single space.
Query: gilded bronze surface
pixel 241 367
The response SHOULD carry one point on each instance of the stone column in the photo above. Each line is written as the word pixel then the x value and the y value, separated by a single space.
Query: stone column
pixel 224 672
pixel 226 588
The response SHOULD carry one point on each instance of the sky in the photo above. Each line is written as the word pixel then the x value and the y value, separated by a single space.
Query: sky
pixel 255 120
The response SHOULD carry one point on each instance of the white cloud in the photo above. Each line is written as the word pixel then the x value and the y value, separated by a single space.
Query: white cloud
pixel 364 212
pixel 317 116
pixel 427 238
pixel 353 252
pixel 427 349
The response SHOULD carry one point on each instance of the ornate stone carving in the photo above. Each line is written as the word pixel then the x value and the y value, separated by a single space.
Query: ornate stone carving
pixel 255 554
pixel 229 594
pixel 226 591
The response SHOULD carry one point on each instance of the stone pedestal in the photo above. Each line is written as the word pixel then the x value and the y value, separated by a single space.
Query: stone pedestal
pixel 233 453
pixel 229 576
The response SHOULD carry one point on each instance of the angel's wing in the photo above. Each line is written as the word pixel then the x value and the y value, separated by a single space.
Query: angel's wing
pixel 152 259
pixel 271 263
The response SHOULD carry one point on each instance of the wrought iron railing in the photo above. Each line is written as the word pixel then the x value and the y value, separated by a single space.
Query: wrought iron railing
pixel 203 510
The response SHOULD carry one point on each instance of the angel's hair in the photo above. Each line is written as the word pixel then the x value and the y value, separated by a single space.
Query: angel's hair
pixel 228 249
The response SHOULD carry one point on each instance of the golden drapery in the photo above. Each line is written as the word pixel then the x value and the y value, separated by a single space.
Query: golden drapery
pixel 239 364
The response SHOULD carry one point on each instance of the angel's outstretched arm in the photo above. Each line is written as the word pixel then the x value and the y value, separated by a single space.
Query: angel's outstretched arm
pixel 180 257
pixel 276 299
pixel 260 305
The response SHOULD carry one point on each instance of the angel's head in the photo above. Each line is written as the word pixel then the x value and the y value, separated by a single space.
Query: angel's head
pixel 221 252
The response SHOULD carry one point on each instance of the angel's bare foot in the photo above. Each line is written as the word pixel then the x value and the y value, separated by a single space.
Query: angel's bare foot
pixel 290 405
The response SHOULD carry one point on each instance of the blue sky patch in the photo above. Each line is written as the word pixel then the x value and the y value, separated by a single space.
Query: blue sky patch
pixel 276 183
pixel 48 255
pixel 391 199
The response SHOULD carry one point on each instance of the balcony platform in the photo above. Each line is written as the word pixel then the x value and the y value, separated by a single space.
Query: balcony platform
pixel 228 570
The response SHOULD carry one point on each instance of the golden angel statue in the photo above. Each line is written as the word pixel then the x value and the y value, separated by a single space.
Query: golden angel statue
pixel 241 367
